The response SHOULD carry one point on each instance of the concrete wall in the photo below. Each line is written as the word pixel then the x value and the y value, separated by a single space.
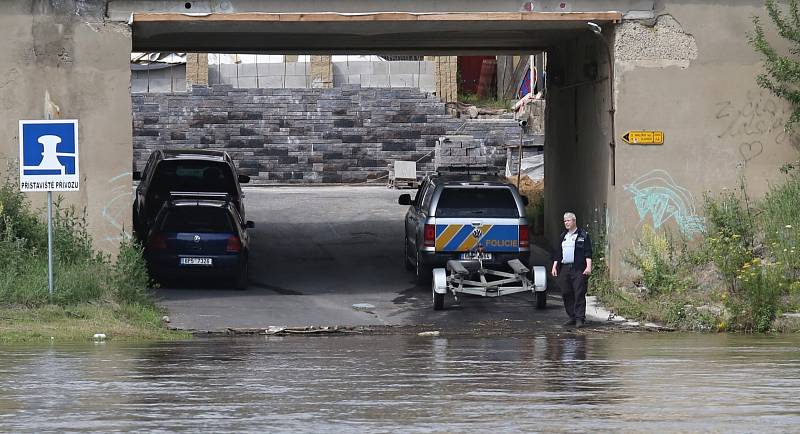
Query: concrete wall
pixel 577 132
pixel 65 50
pixel 299 74
pixel 171 78
pixel 344 134
pixel 692 75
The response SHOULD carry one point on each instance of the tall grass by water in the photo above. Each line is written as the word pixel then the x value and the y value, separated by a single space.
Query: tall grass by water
pixel 93 291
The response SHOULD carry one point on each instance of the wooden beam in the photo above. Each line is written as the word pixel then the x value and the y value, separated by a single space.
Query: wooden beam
pixel 329 17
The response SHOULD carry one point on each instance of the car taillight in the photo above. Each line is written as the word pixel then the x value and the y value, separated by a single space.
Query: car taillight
pixel 234 244
pixel 430 235
pixel 158 241
pixel 523 236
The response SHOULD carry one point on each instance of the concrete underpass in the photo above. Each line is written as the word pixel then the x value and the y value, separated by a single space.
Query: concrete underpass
pixel 680 67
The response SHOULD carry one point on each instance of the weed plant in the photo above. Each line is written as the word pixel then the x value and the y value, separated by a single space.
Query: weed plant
pixel 490 102
pixel 81 275
pixel 660 259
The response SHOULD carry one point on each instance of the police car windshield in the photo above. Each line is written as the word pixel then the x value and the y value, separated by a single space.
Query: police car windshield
pixel 474 201
pixel 197 219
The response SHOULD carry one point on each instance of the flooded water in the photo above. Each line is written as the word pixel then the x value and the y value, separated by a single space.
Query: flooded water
pixel 568 382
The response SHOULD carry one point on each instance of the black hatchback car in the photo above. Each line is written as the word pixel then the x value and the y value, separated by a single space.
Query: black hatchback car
pixel 183 171
pixel 199 235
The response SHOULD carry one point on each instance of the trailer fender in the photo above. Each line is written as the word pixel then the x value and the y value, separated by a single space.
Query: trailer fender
pixel 539 278
pixel 439 281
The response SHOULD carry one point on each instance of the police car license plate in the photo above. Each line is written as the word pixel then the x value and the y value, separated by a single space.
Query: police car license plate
pixel 485 256
pixel 197 261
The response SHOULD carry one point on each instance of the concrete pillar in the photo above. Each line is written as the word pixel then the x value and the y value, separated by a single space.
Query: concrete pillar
pixel 321 72
pixel 75 66
pixel 446 77
pixel 196 69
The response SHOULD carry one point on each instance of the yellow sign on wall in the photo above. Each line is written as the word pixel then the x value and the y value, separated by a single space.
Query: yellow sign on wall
pixel 644 137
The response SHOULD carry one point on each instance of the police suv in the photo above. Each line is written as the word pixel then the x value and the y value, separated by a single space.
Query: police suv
pixel 460 216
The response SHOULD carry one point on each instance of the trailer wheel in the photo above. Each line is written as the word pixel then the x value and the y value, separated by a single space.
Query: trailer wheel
pixel 541 299
pixel 439 287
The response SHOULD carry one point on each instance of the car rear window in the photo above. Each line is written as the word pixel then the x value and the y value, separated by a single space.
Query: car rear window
pixel 192 175
pixel 197 219
pixel 475 201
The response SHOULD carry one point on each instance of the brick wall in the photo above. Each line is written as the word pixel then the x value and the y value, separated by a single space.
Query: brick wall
pixel 339 135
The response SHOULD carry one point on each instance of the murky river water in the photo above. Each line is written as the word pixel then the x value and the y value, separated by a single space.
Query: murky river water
pixel 619 382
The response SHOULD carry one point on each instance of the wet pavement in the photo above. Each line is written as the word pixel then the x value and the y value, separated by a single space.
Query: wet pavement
pixel 556 382
pixel 317 252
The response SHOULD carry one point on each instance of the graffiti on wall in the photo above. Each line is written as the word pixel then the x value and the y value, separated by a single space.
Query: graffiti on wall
pixel 658 195
pixel 754 124
pixel 114 209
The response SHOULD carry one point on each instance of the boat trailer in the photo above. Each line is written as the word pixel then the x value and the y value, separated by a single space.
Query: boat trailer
pixel 474 278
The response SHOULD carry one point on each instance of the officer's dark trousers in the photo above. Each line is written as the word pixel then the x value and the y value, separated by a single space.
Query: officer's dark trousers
pixel 573 290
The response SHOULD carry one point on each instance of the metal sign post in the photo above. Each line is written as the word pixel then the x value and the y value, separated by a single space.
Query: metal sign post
pixel 50 242
pixel 48 161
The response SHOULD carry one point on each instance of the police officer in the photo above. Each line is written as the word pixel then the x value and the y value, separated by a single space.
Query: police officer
pixel 572 267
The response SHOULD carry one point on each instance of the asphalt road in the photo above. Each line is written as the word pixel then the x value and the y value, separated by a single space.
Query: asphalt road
pixel 318 251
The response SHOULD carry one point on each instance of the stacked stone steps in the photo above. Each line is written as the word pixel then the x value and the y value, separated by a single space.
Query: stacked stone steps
pixel 344 134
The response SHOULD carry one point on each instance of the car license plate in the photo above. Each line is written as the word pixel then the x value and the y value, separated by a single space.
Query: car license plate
pixel 197 261
pixel 474 255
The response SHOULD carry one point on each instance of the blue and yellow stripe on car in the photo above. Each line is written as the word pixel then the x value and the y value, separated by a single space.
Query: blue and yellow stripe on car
pixel 458 238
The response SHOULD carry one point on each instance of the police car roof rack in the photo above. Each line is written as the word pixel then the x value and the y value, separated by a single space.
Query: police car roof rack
pixel 468 170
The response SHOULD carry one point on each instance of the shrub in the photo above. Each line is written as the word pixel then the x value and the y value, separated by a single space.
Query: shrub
pixel 81 274
pixel 129 276
pixel 660 262
pixel 755 249
pixel 731 232
pixel 601 282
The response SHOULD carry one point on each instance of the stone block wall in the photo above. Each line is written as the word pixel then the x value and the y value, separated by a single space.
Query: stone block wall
pixel 338 135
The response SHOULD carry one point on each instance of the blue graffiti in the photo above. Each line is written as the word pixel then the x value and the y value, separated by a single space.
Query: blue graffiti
pixel 656 193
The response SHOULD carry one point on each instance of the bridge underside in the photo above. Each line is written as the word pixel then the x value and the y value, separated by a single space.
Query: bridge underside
pixel 385 33
pixel 577 120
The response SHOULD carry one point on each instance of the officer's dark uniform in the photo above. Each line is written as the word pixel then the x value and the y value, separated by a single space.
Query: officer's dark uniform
pixel 571 279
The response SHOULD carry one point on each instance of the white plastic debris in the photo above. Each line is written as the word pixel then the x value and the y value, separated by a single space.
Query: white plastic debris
pixel 165 318
pixel 426 334
pixel 271 330
pixel 363 306
pixel 99 336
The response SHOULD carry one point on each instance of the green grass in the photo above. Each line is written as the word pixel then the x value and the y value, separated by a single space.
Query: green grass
pixel 79 322
pixel 94 293
pixel 489 102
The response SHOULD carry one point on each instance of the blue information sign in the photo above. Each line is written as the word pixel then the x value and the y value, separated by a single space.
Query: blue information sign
pixel 48 154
